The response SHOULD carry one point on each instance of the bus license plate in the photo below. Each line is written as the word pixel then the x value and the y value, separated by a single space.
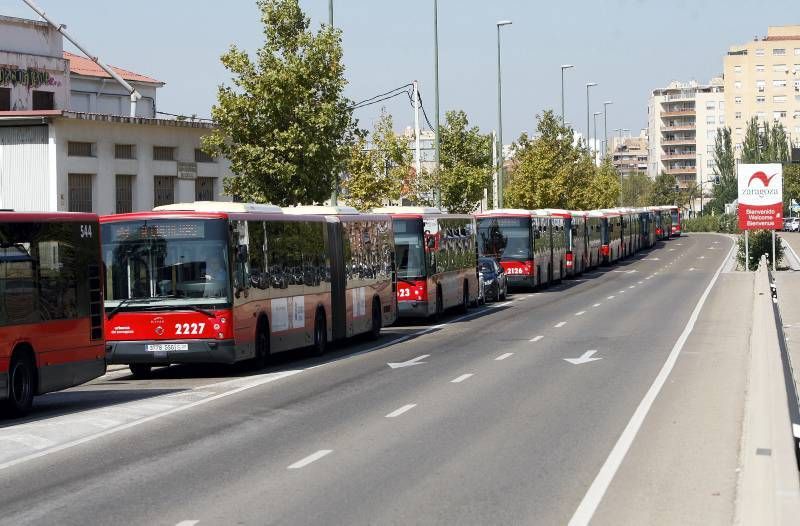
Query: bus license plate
pixel 166 347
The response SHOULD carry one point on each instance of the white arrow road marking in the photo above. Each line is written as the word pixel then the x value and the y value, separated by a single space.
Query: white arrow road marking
pixel 559 324
pixel 504 356
pixel 310 458
pixel 400 411
pixel 409 363
pixel 461 378
pixel 536 338
pixel 585 358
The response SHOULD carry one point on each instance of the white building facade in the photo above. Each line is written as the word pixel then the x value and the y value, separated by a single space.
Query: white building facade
pixel 67 142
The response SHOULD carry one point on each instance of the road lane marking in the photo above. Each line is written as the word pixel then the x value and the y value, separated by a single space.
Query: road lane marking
pixel 610 297
pixel 596 305
pixel 461 378
pixel 580 313
pixel 641 282
pixel 632 287
pixel 504 356
pixel 621 292
pixel 588 505
pixel 559 324
pixel 310 458
pixel 401 410
pixel 536 338
pixel 691 269
pixel 187 523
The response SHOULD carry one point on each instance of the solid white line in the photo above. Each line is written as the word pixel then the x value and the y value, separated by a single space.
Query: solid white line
pixel 310 458
pixel 559 324
pixel 536 338
pixel 580 313
pixel 596 305
pixel 461 378
pixel 187 523
pixel 504 356
pixel 583 514
pixel 400 411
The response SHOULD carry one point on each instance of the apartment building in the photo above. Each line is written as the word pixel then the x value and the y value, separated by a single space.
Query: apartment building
pixel 762 80
pixel 629 154
pixel 683 119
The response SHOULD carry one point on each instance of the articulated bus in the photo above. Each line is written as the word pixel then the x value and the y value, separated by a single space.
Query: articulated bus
pixel 559 235
pixel 647 219
pixel 611 234
pixel 435 259
pixel 51 305
pixel 675 216
pixel 663 221
pixel 577 243
pixel 210 282
pixel 594 239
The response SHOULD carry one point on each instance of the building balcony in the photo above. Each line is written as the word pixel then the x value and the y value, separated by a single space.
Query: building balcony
pixel 678 113
pixel 682 170
pixel 679 142
pixel 679 127
pixel 678 156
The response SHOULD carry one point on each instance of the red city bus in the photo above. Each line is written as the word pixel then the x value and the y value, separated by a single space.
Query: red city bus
pixel 436 260
pixel 675 215
pixel 663 221
pixel 577 243
pixel 563 259
pixel 611 232
pixel 51 305
pixel 594 241
pixel 226 282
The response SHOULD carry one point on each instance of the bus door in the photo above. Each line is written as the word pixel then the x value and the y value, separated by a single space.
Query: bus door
pixel 336 241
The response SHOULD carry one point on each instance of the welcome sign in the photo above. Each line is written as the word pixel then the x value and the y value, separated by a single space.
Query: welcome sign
pixel 760 196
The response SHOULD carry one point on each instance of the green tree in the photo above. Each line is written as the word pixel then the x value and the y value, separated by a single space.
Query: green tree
pixel 751 146
pixel 284 123
pixel 377 174
pixel 663 190
pixel 725 189
pixel 760 243
pixel 635 190
pixel 604 186
pixel 791 185
pixel 765 143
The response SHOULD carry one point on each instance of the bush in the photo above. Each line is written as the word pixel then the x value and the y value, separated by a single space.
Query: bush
pixel 760 244
pixel 707 223
pixel 729 224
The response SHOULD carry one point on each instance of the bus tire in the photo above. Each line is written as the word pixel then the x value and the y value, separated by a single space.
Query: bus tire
pixel 320 333
pixel 262 356
pixel 377 320
pixel 21 384
pixel 439 302
pixel 503 294
pixel 465 298
pixel 140 370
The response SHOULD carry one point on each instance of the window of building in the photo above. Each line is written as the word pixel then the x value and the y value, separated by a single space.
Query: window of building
pixel 779 99
pixel 710 163
pixel 710 119
pixel 759 68
pixel 779 83
pixel 796 68
pixel 797 51
pixel 761 99
pixel 737 84
pixel 797 86
pixel 710 148
pixel 738 115
pixel 721 105
pixel 722 119
pixel 780 68
pixel 760 86
pixel 202 157
pixel 5 99
pixel 710 134
pixel 124 193
pixel 738 131
pixel 163 153
pixel 80 149
pixel 204 189
pixel 43 100
pixel 796 115
pixel 163 190
pixel 760 52
pixel 761 115
pixel 737 69
pixel 124 151
pixel 710 105
pixel 79 192
pixel 778 115
pixel 737 100
pixel 779 51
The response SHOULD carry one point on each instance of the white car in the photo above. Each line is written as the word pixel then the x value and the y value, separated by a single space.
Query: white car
pixel 792 224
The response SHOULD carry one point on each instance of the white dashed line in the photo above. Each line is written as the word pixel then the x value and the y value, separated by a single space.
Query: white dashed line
pixel 504 356
pixel 596 305
pixel 621 292
pixel 461 378
pixel 310 458
pixel 559 324
pixel 536 338
pixel 580 313
pixel 401 410
pixel 641 282
pixel 187 523
pixel 632 287
pixel 610 297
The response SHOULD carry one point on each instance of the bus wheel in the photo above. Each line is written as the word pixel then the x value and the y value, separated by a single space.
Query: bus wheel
pixel 262 347
pixel 377 320
pixel 21 381
pixel 140 370
pixel 465 299
pixel 320 334
pixel 504 293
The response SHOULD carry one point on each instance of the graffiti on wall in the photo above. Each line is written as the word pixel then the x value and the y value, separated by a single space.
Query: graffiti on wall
pixel 30 77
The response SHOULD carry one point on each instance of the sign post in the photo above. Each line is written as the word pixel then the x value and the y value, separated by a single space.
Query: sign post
pixel 760 201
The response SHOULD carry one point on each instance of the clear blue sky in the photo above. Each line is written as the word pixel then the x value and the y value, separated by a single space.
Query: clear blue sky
pixel 628 46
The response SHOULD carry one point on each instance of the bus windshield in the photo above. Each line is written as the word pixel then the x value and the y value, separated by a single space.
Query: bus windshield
pixel 409 248
pixel 166 262
pixel 505 238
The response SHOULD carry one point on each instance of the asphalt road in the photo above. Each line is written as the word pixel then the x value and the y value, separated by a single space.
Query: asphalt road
pixel 491 425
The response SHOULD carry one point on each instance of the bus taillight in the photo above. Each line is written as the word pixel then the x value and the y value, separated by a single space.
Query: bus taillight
pixel 604 250
pixel 570 259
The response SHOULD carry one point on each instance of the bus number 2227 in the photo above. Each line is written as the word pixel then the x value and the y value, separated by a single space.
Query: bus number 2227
pixel 186 328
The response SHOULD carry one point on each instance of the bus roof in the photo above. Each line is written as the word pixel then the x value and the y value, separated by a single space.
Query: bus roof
pixel 321 210
pixel 407 210
pixel 219 206
pixel 10 216
pixel 517 212
pixel 557 212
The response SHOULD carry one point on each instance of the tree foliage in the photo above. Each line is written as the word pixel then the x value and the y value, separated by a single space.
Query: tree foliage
pixel 663 190
pixel 765 143
pixel 725 189
pixel 635 190
pixel 284 123
pixel 760 243
pixel 377 172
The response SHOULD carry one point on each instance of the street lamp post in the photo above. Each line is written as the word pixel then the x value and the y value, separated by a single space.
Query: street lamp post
pixel 563 67
pixel 436 143
pixel 500 24
pixel 606 104
pixel 594 118
pixel 588 110
pixel 702 183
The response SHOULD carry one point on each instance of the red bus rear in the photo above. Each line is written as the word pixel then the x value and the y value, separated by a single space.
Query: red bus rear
pixel 51 317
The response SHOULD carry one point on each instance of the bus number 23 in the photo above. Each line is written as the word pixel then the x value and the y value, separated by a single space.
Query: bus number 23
pixel 186 328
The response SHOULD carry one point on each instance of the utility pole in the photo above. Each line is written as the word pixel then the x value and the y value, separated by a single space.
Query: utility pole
pixel 417 155
pixel 500 24
pixel 494 174
pixel 588 110
pixel 596 149
pixel 563 67
pixel 335 192
pixel 436 143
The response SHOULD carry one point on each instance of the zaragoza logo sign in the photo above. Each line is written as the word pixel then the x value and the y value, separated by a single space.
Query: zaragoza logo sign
pixel 760 196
